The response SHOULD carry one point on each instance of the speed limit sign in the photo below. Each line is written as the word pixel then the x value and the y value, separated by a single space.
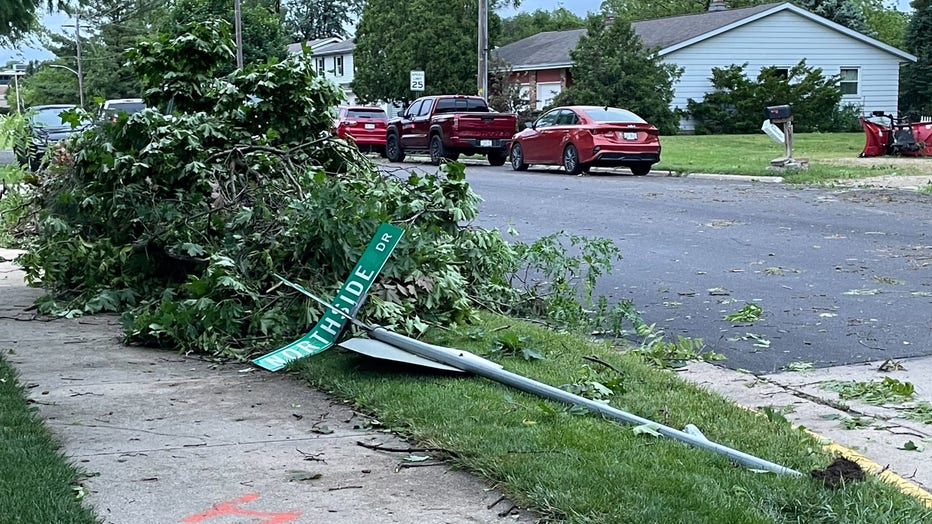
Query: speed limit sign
pixel 417 80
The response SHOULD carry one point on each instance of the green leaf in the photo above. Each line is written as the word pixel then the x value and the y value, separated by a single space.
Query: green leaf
pixel 192 250
pixel 302 476
pixel 530 354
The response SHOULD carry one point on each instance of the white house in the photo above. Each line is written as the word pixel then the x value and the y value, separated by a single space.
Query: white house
pixel 779 34
pixel 313 45
pixel 334 60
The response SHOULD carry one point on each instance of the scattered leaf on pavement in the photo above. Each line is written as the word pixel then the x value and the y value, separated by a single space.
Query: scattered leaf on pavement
pixel 302 476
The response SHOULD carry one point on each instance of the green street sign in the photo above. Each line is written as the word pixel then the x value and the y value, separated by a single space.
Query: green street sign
pixel 325 332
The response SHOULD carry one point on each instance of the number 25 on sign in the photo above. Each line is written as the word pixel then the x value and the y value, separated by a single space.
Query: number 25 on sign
pixel 417 80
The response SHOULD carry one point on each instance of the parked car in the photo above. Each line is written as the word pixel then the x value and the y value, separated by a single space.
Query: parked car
pixel 364 126
pixel 579 137
pixel 111 109
pixel 44 128
pixel 447 126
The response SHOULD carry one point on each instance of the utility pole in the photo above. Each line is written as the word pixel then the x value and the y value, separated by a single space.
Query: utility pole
pixel 238 23
pixel 483 75
pixel 77 45
pixel 77 39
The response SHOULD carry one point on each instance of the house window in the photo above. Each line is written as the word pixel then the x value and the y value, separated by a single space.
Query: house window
pixel 338 65
pixel 546 91
pixel 320 66
pixel 782 72
pixel 849 81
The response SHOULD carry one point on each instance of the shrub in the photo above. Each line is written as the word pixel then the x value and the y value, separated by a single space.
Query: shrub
pixel 736 104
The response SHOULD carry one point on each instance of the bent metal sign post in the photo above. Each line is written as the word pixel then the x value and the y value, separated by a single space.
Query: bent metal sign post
pixel 325 332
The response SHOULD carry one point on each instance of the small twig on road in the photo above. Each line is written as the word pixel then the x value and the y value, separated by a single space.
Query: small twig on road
pixel 380 447
pixel 408 465
pixel 344 487
pixel 492 505
pixel 315 457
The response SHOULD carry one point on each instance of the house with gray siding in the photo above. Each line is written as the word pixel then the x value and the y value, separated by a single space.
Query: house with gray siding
pixel 779 34
pixel 334 61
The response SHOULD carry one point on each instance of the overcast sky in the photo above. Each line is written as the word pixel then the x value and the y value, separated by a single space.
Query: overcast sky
pixel 32 50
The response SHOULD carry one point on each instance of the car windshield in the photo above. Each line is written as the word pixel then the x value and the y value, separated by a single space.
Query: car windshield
pixel 49 117
pixel 129 107
pixel 612 114
pixel 364 112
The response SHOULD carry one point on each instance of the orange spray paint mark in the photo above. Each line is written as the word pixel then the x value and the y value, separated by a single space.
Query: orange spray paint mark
pixel 231 508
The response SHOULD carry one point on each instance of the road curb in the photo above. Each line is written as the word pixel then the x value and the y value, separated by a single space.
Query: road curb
pixel 718 176
pixel 750 391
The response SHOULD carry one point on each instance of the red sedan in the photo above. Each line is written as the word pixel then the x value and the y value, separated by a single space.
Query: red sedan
pixel 363 126
pixel 579 137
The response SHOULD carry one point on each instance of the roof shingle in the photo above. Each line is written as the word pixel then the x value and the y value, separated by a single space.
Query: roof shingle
pixel 554 47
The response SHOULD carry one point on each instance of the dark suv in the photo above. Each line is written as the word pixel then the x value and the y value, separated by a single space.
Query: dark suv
pixel 45 127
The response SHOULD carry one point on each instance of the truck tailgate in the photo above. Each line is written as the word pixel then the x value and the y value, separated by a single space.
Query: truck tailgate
pixel 485 125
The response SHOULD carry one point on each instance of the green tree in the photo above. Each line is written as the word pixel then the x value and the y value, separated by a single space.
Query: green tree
pixel 634 10
pixel 47 86
pixel 523 25
pixel 843 12
pixel 19 17
pixel 119 25
pixel 311 19
pixel 111 27
pixel 394 38
pixel 264 35
pixel 612 67
pixel 886 22
pixel 200 51
pixel 916 79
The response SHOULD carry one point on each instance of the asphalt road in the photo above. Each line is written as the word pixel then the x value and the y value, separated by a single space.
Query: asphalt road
pixel 842 276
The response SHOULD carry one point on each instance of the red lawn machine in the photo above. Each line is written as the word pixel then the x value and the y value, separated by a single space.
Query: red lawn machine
pixel 905 136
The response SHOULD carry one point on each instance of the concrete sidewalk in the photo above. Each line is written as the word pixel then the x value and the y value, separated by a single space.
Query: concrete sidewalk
pixel 170 438
pixel 879 434
pixel 180 439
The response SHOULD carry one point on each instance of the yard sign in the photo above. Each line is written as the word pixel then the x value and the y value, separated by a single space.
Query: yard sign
pixel 325 332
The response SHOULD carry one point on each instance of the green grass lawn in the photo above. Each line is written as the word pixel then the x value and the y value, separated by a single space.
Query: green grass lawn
pixel 831 156
pixel 37 483
pixel 586 469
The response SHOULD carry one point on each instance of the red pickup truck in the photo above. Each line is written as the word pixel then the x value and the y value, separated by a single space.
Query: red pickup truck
pixel 446 126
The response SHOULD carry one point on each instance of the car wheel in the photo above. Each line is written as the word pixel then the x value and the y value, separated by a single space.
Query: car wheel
pixel 393 150
pixel 437 153
pixel 640 169
pixel 497 159
pixel 571 162
pixel 517 158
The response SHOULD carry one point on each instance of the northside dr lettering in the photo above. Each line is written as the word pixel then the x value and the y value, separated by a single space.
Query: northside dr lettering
pixel 324 333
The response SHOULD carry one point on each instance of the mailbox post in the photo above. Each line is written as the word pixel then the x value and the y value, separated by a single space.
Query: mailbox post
pixel 783 114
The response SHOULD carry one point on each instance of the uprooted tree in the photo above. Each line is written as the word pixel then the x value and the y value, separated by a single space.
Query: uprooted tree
pixel 179 216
